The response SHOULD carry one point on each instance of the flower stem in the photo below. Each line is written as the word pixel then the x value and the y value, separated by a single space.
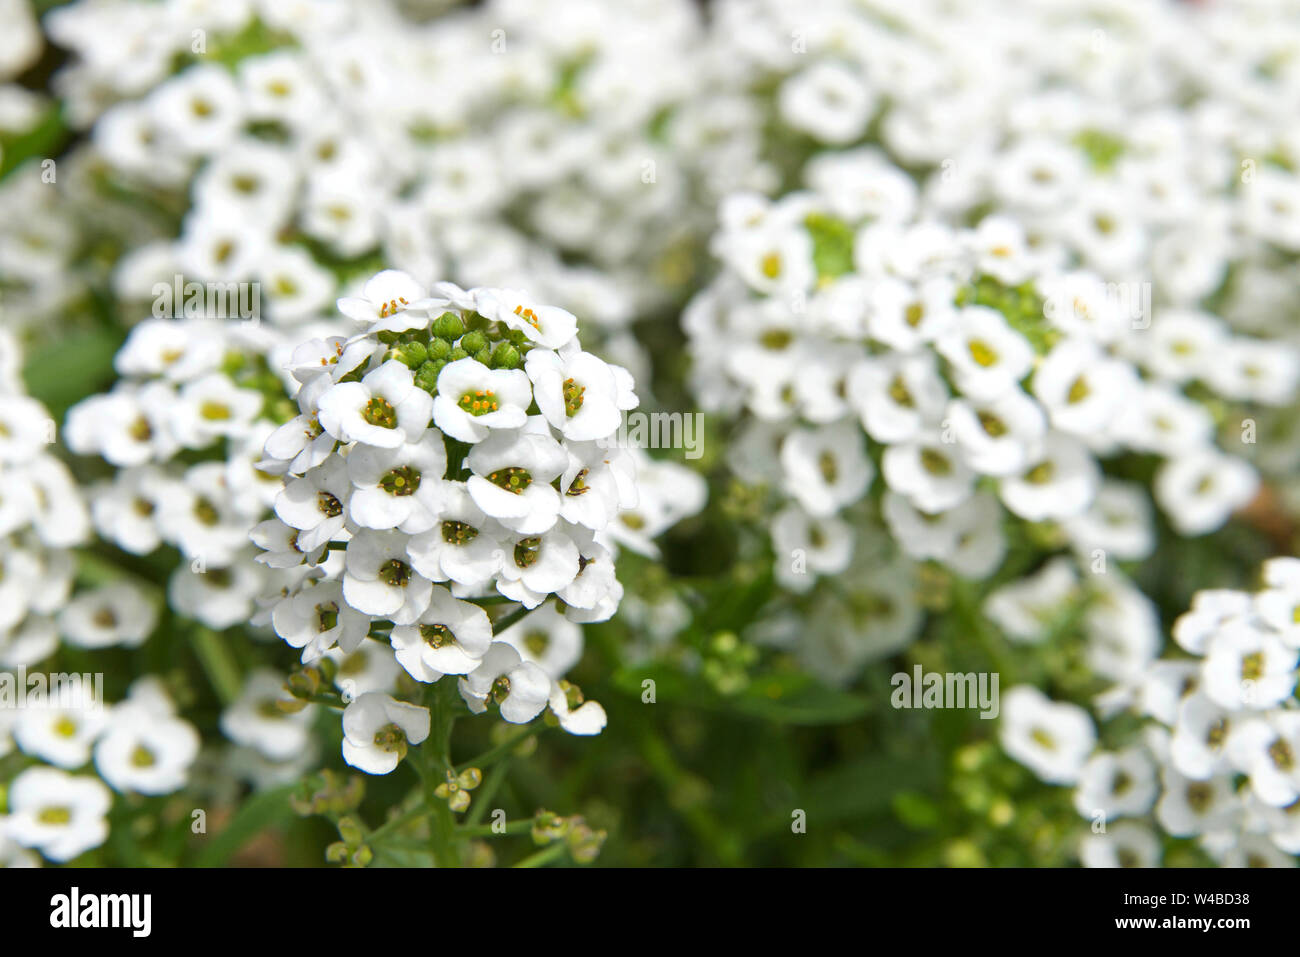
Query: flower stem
pixel 505 747
pixel 218 663
pixel 506 621
pixel 545 856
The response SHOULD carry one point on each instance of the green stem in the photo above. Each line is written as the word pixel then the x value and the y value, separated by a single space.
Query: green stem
pixel 218 663
pixel 505 747
pixel 483 797
pixel 506 621
pixel 384 830
pixel 545 856
pixel 438 748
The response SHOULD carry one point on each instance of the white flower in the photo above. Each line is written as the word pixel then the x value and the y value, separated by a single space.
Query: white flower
pixel 116 614
pixel 1200 489
pixel 61 730
pixel 377 730
pixel 987 356
pixel 1187 807
pixel 146 748
pixel 380 579
pixel 575 715
pixel 257 721
pixel 199 516
pixel 519 688
pixel 317 618
pixel 537 565
pixel 1116 784
pixel 596 483
pixel 210 408
pixel 25 428
pixel 1060 484
pixel 513 472
pixel 1198 746
pixel 929 472
pixel 1267 749
pixel 1126 844
pixel 806 547
pixel 449 638
pixel 123 511
pixel 392 301
pixel 998 436
pixel 576 392
pixel 1025 609
pixel 316 504
pixel 1246 667
pixel 463 547
pixel 905 316
pixel 473 400
pixel 548 326
pixel 826 468
pixel 59 814
pixel 1053 739
pixel 219 596
pixel 828 101
pixel 1081 388
pixel 385 409
pixel 1118 523
pixel 370 667
pixel 398 488
pixel 897 396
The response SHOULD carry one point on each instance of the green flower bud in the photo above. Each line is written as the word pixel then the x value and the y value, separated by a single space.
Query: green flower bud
pixel 505 356
pixel 413 354
pixel 473 342
pixel 439 349
pixel 484 356
pixel 426 377
pixel 448 326
pixel 457 353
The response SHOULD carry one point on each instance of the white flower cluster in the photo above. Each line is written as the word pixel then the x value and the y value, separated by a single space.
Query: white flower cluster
pixel 138 746
pixel 971 367
pixel 459 447
pixel 42 518
pixel 184 428
pixel 550 144
pixel 1217 760
pixel 1153 138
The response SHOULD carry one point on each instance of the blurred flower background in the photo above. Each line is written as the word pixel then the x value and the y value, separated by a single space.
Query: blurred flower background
pixel 649 432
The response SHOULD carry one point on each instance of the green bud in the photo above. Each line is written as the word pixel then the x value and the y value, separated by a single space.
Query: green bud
pixel 457 353
pixel 410 353
pixel 439 349
pixel 350 831
pixel 473 342
pixel 426 377
pixel 337 853
pixel 484 356
pixel 505 356
pixel 448 326
pixel 363 856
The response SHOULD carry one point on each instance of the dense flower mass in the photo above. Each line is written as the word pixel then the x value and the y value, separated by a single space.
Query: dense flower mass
pixel 431 466
pixel 374 373
pixel 1215 757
